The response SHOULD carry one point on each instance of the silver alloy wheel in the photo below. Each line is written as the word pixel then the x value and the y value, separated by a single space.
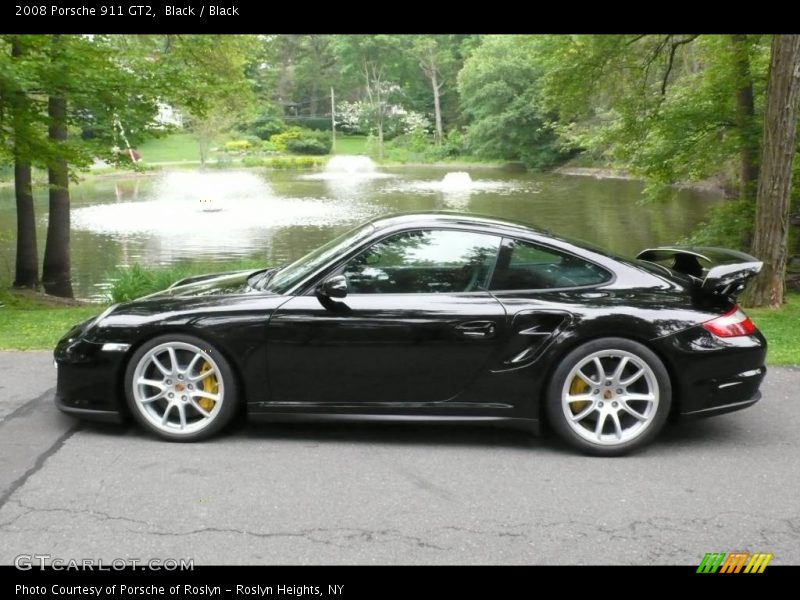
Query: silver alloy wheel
pixel 610 397
pixel 178 388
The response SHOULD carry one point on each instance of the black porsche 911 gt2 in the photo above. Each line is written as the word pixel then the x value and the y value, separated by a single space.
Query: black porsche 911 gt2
pixel 440 316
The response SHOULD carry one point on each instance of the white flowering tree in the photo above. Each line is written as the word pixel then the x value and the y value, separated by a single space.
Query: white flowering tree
pixel 378 114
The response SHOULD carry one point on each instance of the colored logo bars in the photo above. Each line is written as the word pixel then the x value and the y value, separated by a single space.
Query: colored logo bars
pixel 734 562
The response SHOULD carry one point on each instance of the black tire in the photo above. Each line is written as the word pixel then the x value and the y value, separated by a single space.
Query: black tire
pixel 223 377
pixel 578 431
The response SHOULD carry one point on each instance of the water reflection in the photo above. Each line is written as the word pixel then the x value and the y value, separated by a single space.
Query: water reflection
pixel 348 176
pixel 200 214
pixel 278 216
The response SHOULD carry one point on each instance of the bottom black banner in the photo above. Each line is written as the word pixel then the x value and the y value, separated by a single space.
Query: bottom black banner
pixel 352 582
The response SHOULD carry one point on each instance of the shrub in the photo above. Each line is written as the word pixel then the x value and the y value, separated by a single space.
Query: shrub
pixel 294 162
pixel 398 154
pixel 137 281
pixel 298 140
pixel 266 126
pixel 223 161
pixel 315 123
pixel 129 283
pixel 253 161
pixel 308 146
pixel 307 162
pixel 281 140
pixel 730 224
pixel 254 140
pixel 237 146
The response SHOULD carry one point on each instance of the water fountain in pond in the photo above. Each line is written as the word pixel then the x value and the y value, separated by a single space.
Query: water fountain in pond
pixel 345 174
pixel 351 165
pixel 208 205
pixel 457 188
pixel 190 214
pixel 456 180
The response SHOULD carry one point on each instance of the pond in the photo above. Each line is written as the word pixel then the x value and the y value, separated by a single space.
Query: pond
pixel 220 216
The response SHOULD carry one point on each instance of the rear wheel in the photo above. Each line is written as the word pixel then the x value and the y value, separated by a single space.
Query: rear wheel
pixel 609 397
pixel 180 388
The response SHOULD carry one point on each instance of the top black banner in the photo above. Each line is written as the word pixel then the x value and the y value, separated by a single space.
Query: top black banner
pixel 282 17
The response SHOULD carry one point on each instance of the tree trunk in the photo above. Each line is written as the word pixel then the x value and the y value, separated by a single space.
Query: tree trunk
pixel 437 107
pixel 56 275
pixel 26 271
pixel 203 146
pixel 313 102
pixel 775 183
pixel 380 138
pixel 745 119
pixel 374 83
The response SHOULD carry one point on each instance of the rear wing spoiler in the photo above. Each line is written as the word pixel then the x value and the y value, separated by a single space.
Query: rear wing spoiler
pixel 715 271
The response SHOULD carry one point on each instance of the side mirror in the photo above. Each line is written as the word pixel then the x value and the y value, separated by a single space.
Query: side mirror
pixel 333 287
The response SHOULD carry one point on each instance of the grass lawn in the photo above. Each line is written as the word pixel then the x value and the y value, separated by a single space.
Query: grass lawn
pixel 28 322
pixel 782 330
pixel 172 148
pixel 351 144
pixel 178 147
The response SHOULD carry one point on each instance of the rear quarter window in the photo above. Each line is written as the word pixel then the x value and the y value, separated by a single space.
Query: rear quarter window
pixel 529 266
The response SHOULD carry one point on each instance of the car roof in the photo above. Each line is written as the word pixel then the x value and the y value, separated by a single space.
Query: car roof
pixel 507 227
pixel 427 218
pixel 511 228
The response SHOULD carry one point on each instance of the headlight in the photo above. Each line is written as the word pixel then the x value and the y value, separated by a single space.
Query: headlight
pixel 84 327
pixel 100 317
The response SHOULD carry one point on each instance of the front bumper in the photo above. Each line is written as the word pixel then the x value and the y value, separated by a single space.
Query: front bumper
pixel 89 382
pixel 89 414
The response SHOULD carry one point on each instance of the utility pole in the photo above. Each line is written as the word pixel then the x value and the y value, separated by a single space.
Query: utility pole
pixel 333 123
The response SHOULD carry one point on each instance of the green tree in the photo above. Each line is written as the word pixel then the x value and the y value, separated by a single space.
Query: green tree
pixel 296 72
pixel 24 144
pixel 437 56
pixel 500 96
pixel 374 61
pixel 56 275
pixel 684 107
pixel 775 184
pixel 669 107
pixel 88 84
pixel 220 96
pixel 77 89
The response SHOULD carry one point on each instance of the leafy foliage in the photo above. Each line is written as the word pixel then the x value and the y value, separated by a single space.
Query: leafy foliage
pixel 729 225
pixel 499 93
pixel 129 283
pixel 298 140
pixel 663 106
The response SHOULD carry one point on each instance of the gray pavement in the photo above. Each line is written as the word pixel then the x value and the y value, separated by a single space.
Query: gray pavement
pixel 396 494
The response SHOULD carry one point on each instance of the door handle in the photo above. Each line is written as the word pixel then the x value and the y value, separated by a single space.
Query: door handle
pixel 476 329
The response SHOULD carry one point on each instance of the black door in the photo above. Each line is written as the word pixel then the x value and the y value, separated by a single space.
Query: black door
pixel 415 327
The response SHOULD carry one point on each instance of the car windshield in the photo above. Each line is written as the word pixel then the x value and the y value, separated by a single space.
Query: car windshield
pixel 290 275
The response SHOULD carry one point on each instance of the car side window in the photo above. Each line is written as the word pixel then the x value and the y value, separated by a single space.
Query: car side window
pixel 532 267
pixel 424 262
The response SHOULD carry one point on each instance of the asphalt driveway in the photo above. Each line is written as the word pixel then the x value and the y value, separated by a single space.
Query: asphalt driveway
pixel 396 494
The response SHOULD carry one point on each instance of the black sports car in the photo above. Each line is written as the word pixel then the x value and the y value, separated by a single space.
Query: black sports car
pixel 435 316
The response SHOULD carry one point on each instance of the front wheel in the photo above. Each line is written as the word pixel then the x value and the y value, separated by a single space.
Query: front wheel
pixel 180 388
pixel 609 397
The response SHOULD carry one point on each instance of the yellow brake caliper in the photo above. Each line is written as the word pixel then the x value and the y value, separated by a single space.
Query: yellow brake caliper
pixel 210 386
pixel 578 386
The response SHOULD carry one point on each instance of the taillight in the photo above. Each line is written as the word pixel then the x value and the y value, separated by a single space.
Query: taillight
pixel 733 323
